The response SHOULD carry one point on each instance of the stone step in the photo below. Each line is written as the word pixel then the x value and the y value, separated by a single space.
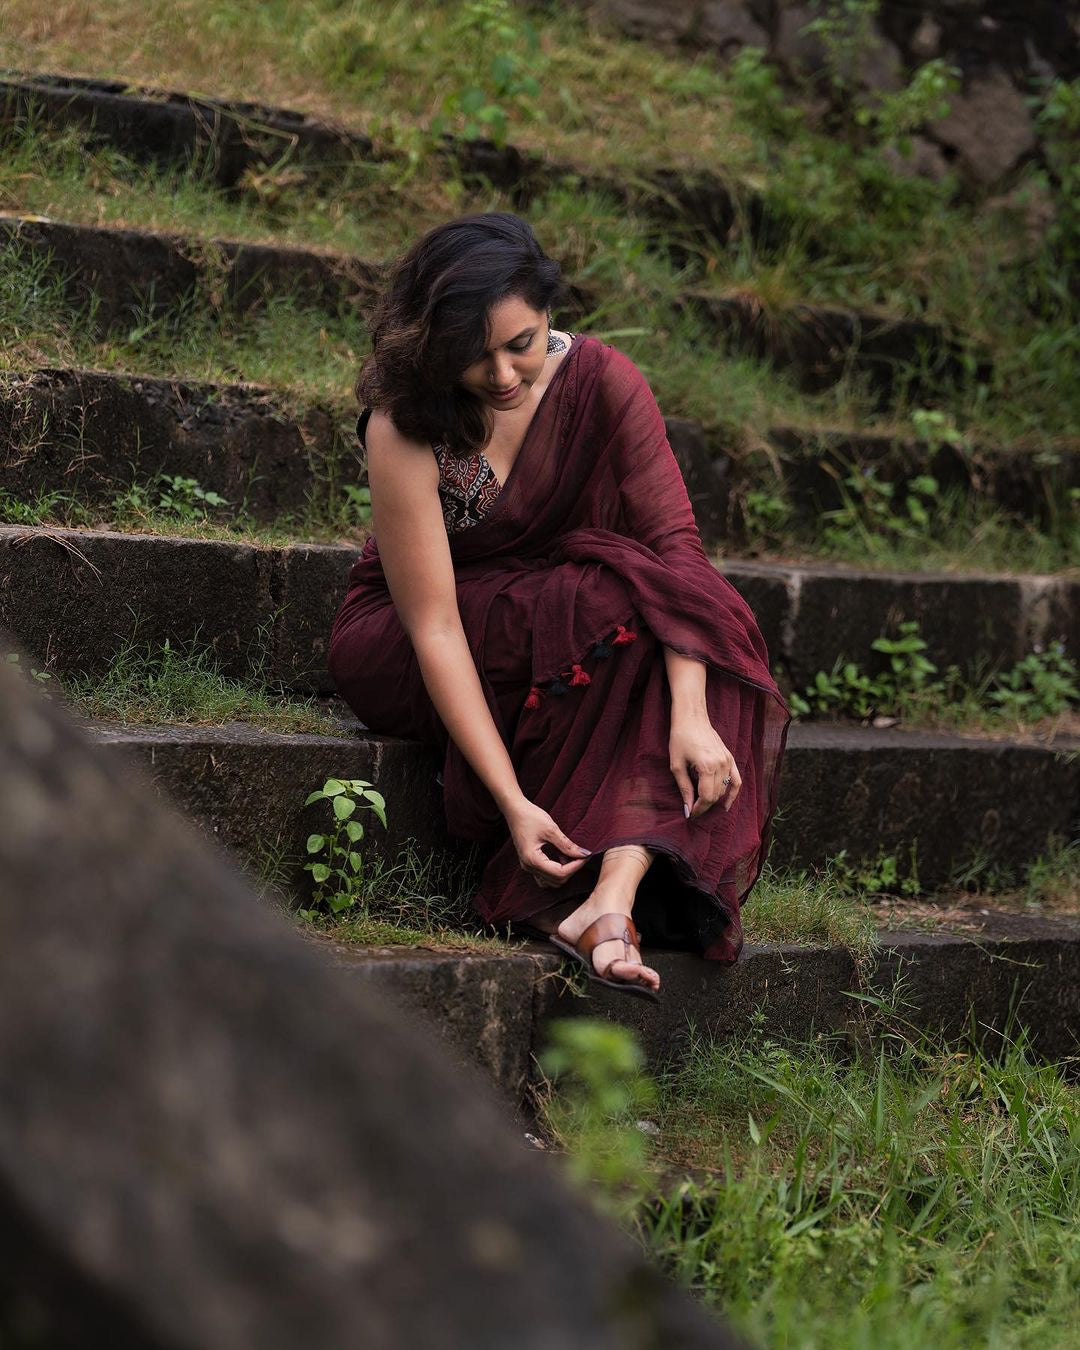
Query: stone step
pixel 231 139
pixel 72 597
pixel 91 432
pixel 954 799
pixel 1035 484
pixel 818 345
pixel 130 275
pixel 495 1010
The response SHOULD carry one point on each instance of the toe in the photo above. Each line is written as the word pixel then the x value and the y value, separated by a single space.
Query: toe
pixel 632 971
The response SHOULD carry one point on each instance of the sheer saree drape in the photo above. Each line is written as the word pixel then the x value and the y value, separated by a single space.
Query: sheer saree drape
pixel 587 564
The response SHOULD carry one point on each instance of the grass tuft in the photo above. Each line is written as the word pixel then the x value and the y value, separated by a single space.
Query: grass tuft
pixel 920 1193
pixel 809 909
pixel 183 685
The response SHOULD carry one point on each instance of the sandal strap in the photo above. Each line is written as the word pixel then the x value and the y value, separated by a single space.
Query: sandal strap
pixel 607 927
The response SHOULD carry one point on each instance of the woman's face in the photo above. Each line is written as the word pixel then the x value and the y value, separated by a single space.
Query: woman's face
pixel 514 360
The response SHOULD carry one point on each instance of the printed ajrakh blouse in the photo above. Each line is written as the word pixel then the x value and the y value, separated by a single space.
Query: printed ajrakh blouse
pixel 467 483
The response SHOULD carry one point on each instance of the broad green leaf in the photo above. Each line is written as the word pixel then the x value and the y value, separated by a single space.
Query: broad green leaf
pixel 316 797
pixel 320 872
pixel 354 830
pixel 315 842
pixel 333 786
pixel 355 861
pixel 343 807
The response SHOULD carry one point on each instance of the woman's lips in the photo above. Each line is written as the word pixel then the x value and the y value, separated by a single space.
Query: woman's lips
pixel 505 394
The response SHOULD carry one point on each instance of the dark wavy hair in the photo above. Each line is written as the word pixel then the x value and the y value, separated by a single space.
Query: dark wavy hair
pixel 433 321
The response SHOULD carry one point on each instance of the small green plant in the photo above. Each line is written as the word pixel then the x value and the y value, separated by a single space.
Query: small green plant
pixel 1053 879
pixel 172 495
pixel 937 429
pixel 910 672
pixel 850 691
pixel 185 498
pixel 358 503
pixel 925 98
pixel 759 94
pixel 339 877
pixel 1043 684
pixel 765 515
pixel 41 678
pixel 500 52
pixel 1057 122
pixel 598 1067
pixel 885 874
pixel 874 512
pixel 848 34
pixel 14 511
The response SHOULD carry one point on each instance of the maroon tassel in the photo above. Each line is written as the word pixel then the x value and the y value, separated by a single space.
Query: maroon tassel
pixel 579 677
pixel 623 637
pixel 533 701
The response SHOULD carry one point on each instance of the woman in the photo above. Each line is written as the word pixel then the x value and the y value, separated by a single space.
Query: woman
pixel 540 608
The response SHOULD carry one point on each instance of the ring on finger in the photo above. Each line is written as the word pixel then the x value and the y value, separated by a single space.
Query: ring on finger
pixel 726 782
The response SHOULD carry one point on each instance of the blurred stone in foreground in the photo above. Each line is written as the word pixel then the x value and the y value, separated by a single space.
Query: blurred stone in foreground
pixel 208 1139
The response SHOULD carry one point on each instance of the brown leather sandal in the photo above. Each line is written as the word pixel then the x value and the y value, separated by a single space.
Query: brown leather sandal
pixel 603 929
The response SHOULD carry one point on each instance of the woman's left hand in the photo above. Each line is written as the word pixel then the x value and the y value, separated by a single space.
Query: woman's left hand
pixel 695 748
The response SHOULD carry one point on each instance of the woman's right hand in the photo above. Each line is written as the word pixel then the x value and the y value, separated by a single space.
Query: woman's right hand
pixel 530 828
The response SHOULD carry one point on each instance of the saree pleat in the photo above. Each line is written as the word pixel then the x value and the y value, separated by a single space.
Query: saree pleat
pixel 586 566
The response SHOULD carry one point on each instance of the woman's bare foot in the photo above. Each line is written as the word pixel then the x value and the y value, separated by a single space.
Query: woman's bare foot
pixel 614 893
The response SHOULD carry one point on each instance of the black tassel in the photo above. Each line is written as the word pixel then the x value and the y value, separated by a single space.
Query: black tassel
pixel 559 686
pixel 602 650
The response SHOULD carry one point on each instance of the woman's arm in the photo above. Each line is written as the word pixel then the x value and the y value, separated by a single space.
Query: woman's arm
pixel 656 511
pixel 414 549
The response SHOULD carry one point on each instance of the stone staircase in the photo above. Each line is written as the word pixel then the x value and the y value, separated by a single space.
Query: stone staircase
pixel 71 598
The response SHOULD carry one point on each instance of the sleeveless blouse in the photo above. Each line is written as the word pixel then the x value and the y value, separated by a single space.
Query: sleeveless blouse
pixel 467 483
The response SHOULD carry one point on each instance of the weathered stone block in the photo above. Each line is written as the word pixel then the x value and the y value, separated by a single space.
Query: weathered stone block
pixel 92 434
pixel 988 127
pixel 247 787
pixel 480 1006
pixel 966 621
pixel 74 597
pixel 209 1139
pixel 953 799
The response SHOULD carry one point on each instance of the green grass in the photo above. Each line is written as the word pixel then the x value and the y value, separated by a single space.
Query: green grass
pixel 1053 881
pixel 962 532
pixel 852 232
pixel 618 253
pixel 418 890
pixel 147 684
pixel 386 66
pixel 1049 885
pixel 364 931
pixel 915 1194
pixel 809 909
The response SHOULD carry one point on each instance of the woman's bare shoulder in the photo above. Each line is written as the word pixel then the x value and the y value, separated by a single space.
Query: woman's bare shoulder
pixel 382 435
pixel 393 455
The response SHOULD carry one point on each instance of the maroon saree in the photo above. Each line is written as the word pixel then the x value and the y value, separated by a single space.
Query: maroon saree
pixel 586 565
